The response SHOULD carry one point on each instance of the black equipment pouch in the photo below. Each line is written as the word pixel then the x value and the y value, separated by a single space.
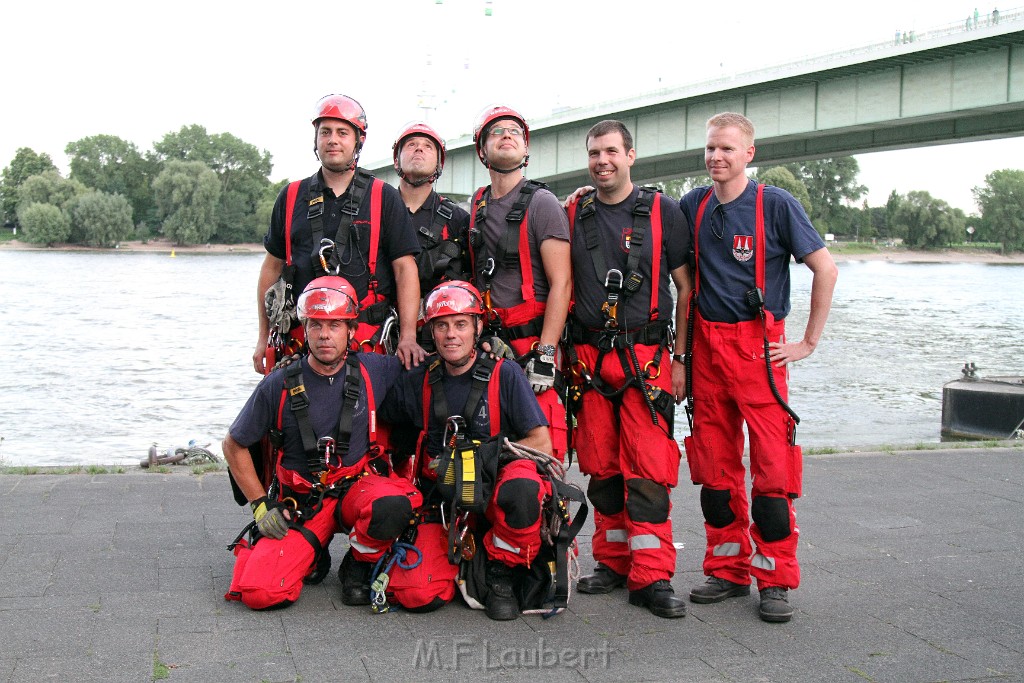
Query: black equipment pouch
pixel 467 472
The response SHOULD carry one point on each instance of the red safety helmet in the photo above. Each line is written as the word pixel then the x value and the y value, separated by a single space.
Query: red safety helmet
pixel 341 107
pixel 454 297
pixel 328 298
pixel 488 116
pixel 419 128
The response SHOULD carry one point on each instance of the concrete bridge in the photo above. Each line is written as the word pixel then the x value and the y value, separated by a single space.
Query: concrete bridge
pixel 941 86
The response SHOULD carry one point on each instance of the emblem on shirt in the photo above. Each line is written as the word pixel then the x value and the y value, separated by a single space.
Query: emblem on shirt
pixel 627 238
pixel 742 247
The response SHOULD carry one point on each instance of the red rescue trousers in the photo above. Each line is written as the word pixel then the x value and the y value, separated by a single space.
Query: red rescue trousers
pixel 632 463
pixel 515 514
pixel 270 572
pixel 730 388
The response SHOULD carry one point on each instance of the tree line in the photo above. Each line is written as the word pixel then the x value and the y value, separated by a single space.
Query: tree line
pixel 194 188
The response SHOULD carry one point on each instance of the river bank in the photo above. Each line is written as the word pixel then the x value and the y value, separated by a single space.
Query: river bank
pixel 893 254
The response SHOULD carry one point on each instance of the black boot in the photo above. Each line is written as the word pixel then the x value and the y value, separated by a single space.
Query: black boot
pixel 603 580
pixel 501 603
pixel 660 599
pixel 355 580
pixel 322 569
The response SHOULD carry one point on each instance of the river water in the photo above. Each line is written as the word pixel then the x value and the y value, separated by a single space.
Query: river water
pixel 110 352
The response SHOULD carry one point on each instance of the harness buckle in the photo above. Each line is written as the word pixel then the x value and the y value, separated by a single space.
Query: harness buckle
pixel 489 267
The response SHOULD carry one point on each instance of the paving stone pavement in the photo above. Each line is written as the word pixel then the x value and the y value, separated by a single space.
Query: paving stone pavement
pixel 913 571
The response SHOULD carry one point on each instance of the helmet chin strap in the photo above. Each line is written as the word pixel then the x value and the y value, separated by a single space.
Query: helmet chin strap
pixel 417 183
pixel 523 164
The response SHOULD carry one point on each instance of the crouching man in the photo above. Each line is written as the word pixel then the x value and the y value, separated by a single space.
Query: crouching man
pixel 492 398
pixel 330 475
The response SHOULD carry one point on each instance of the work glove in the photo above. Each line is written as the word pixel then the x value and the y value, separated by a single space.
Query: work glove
pixel 270 518
pixel 287 360
pixel 540 372
pixel 497 348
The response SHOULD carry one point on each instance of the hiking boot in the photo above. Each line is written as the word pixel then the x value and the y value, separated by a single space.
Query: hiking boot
pixel 322 569
pixel 603 580
pixel 716 590
pixel 660 599
pixel 355 580
pixel 775 605
pixel 501 603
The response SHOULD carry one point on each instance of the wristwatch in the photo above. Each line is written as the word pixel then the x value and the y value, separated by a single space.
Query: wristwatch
pixel 683 358
pixel 546 349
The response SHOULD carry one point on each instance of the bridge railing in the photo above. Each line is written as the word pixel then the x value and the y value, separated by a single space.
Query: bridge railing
pixel 1004 22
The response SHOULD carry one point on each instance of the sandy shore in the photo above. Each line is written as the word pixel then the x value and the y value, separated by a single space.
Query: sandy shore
pixel 894 254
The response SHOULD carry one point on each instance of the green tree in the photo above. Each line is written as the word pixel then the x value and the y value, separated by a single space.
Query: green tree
pixel 782 177
pixel 25 164
pixel 43 223
pixel 830 183
pixel 112 165
pixel 894 230
pixel 265 207
pixel 49 187
pixel 241 168
pixel 1001 200
pixel 187 193
pixel 677 187
pixel 929 223
pixel 104 219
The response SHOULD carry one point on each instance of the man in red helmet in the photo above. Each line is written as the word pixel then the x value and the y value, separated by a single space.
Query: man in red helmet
pixel 440 224
pixel 629 245
pixel 503 402
pixel 330 474
pixel 519 253
pixel 340 221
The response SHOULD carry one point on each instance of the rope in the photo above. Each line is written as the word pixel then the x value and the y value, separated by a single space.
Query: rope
pixel 397 554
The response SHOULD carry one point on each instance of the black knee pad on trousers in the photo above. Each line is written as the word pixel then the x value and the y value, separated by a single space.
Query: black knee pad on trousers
pixel 517 498
pixel 607 495
pixel 647 501
pixel 715 506
pixel 389 516
pixel 771 515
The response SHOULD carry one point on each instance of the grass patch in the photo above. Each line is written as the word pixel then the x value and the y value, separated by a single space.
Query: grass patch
pixel 160 670
pixel 853 248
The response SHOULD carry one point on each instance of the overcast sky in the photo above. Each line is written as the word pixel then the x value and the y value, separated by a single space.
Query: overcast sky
pixel 139 70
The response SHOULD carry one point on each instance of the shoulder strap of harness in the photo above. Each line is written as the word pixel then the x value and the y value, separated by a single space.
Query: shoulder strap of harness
pixel 759 233
pixel 486 377
pixel 477 216
pixel 437 231
pixel 513 248
pixel 289 213
pixel 646 217
pixel 362 180
pixel 299 404
pixel 356 378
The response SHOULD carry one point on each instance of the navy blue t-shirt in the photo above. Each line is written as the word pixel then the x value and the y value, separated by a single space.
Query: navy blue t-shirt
pixel 520 411
pixel 397 237
pixel 326 397
pixel 614 227
pixel 728 251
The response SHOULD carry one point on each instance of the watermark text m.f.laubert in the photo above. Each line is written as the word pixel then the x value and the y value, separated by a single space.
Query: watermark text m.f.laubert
pixel 465 653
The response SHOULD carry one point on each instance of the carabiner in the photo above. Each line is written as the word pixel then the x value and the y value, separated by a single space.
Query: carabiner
pixel 327 245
